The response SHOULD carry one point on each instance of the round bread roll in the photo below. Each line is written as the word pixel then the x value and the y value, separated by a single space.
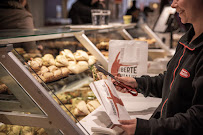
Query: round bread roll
pixel 91 60
pixel 44 69
pixel 48 60
pixel 36 63
pixel 61 61
pixel 92 105
pixel 57 74
pixel 49 76
pixel 65 71
pixel 71 63
pixel 81 109
pixel 81 55
pixel 52 68
pixel 68 54
pixel 79 67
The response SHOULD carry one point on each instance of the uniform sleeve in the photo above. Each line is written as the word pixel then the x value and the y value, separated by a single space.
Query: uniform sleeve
pixel 188 123
pixel 151 85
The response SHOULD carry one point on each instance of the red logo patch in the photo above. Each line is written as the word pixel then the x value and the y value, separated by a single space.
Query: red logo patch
pixel 184 73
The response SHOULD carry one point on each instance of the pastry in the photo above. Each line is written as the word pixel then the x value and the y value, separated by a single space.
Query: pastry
pixel 92 105
pixel 81 109
pixel 61 61
pixel 79 67
pixel 68 54
pixel 91 60
pixel 81 55
pixel 65 71
pixel 48 60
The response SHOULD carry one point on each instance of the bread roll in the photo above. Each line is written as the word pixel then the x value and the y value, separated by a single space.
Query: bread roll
pixel 65 71
pixel 92 105
pixel 68 54
pixel 81 55
pixel 44 69
pixel 81 109
pixel 52 68
pixel 57 74
pixel 48 60
pixel 36 63
pixel 79 67
pixel 49 76
pixel 91 60
pixel 61 61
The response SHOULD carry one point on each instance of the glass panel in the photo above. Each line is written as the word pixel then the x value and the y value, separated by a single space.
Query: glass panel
pixel 17 33
pixel 14 97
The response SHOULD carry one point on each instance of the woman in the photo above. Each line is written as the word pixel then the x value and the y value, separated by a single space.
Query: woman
pixel 80 12
pixel 15 15
pixel 180 87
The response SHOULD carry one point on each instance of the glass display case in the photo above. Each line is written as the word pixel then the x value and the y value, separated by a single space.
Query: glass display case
pixel 30 96
pixel 45 92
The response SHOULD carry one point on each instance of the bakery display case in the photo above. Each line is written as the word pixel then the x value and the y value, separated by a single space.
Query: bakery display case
pixel 46 93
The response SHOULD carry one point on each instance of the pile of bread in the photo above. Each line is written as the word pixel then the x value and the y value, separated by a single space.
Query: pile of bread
pixel 103 45
pixel 20 130
pixel 78 103
pixel 49 68
pixel 25 54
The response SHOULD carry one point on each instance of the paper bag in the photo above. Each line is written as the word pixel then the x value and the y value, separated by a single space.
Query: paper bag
pixel 128 58
pixel 106 93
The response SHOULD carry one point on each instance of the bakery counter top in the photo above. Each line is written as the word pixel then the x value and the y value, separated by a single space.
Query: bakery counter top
pixel 137 107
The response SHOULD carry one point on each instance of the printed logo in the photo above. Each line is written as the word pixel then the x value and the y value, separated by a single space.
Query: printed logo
pixel 184 73
pixel 115 100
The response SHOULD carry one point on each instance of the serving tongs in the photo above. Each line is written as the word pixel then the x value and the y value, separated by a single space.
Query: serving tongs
pixel 130 90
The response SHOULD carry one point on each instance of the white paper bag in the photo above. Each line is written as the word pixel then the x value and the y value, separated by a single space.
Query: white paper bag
pixel 106 93
pixel 128 58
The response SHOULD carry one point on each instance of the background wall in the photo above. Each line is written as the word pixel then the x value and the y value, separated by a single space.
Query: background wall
pixel 37 10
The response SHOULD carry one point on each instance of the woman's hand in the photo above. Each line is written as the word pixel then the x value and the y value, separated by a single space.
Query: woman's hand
pixel 126 80
pixel 129 126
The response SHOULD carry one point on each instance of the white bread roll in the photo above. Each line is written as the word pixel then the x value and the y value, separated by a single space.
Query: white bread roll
pixel 91 60
pixel 81 109
pixel 48 60
pixel 92 105
pixel 81 55
pixel 68 54
pixel 79 67
pixel 65 71
pixel 61 61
